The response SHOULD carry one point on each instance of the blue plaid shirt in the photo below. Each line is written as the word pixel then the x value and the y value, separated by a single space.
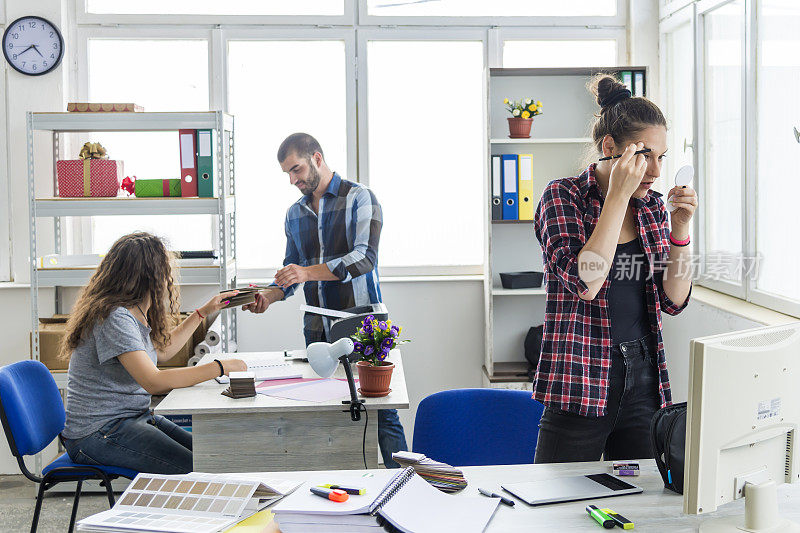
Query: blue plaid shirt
pixel 345 237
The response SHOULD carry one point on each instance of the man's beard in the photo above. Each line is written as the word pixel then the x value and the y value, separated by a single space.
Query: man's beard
pixel 312 182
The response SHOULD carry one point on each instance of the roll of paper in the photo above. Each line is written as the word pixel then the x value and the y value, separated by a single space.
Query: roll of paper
pixel 214 333
pixel 203 349
pixel 193 360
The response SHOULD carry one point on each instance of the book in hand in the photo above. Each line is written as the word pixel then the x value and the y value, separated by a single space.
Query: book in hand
pixel 441 475
pixel 399 497
pixel 247 295
pixel 187 503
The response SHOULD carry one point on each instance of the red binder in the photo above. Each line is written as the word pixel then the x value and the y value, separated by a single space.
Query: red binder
pixel 188 141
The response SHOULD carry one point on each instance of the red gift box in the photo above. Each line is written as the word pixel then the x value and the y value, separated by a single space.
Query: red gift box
pixel 88 177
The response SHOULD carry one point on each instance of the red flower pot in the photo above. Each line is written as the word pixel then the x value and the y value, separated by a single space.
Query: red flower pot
pixel 374 380
pixel 519 128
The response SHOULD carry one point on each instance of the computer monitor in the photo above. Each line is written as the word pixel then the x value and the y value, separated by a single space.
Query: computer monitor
pixel 742 425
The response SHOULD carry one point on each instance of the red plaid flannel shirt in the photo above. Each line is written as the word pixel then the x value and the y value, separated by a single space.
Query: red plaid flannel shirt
pixel 575 360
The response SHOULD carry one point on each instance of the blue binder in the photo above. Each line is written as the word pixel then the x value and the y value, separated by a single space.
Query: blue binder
pixel 510 181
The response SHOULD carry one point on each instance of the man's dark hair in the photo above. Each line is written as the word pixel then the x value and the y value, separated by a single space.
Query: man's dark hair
pixel 301 144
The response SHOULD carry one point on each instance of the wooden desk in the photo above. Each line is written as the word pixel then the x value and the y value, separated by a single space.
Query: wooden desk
pixel 656 510
pixel 274 434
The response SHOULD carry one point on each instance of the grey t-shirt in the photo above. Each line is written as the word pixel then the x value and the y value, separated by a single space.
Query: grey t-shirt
pixel 99 389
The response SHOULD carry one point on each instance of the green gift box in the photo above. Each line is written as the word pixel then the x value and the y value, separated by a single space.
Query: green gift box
pixel 157 188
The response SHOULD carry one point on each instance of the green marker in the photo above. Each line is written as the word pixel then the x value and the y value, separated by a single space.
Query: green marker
pixel 600 517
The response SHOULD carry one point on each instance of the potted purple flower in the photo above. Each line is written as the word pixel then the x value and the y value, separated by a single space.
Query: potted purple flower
pixel 373 341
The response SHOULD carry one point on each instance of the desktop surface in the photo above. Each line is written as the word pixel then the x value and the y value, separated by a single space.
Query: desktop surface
pixel 656 510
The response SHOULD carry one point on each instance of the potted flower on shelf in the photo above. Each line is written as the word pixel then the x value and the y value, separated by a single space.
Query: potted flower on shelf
pixel 372 342
pixel 521 119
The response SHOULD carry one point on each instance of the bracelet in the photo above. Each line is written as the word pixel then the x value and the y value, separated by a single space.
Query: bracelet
pixel 221 370
pixel 199 314
pixel 676 242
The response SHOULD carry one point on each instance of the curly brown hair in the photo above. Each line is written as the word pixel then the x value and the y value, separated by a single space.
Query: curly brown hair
pixel 621 115
pixel 136 267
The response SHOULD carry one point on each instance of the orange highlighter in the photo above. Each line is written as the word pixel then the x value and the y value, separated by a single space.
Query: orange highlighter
pixel 334 495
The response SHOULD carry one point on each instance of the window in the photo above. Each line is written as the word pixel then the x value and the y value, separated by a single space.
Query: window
pixel 724 53
pixel 5 242
pixel 496 8
pixel 559 53
pixel 277 88
pixel 123 71
pixel 426 151
pixel 215 7
pixel 777 148
pixel 679 109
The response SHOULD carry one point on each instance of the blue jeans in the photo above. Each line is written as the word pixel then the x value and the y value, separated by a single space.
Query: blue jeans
pixel 144 443
pixel 391 437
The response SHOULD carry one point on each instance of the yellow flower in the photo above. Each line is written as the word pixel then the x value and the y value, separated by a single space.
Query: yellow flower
pixel 539 103
pixel 526 114
pixel 505 100
pixel 532 107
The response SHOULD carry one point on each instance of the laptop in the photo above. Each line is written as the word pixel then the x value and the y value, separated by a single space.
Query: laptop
pixel 568 489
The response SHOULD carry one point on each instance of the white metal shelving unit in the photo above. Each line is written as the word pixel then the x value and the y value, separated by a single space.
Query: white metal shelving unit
pixel 559 146
pixel 222 206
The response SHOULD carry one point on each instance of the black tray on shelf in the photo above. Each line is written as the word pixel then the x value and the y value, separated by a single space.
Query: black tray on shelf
pixel 521 280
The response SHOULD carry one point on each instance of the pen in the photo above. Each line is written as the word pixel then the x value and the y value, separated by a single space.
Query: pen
pixel 618 519
pixel 490 494
pixel 333 495
pixel 348 490
pixel 620 155
pixel 600 517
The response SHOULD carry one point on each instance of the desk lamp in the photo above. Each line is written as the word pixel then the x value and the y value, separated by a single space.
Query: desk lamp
pixel 324 358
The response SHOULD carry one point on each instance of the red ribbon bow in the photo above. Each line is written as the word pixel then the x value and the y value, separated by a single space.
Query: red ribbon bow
pixel 128 185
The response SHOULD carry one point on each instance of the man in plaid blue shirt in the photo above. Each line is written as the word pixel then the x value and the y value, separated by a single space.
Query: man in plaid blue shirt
pixel 332 236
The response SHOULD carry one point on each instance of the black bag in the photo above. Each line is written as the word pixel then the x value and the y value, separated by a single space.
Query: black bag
pixel 668 437
pixel 533 346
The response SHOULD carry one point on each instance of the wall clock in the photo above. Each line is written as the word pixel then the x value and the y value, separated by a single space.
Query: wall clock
pixel 33 45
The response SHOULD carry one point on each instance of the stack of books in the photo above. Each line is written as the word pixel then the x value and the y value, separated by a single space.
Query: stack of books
pixel 441 475
pixel 243 385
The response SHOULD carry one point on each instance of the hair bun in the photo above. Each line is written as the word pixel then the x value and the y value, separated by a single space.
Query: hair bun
pixel 609 91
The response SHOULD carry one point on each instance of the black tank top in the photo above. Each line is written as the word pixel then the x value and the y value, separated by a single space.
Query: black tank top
pixel 627 296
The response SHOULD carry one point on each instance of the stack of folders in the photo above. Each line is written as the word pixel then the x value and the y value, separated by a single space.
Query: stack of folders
pixel 634 81
pixel 441 475
pixel 398 497
pixel 197 162
pixel 187 503
pixel 243 385
pixel 512 187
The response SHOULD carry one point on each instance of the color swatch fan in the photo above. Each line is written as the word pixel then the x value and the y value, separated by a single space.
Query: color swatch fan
pixel 441 475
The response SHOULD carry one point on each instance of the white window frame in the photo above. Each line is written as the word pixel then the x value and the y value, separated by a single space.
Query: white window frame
pixel 85 17
pixel 619 20
pixel 355 27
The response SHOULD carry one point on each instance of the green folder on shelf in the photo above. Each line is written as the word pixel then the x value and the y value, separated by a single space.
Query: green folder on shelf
pixel 157 188
pixel 205 163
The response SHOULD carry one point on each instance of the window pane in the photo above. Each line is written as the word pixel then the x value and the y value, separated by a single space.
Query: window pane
pixel 496 8
pixel 426 150
pixel 215 7
pixel 148 73
pixel 679 78
pixel 778 76
pixel 274 92
pixel 549 53
pixel 724 30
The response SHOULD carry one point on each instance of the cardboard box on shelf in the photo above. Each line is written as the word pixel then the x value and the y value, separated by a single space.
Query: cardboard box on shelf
pixel 52 331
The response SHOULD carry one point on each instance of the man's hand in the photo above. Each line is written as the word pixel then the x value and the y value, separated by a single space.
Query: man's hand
pixel 291 275
pixel 260 305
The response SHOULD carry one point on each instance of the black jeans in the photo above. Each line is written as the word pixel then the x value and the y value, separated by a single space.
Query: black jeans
pixel 624 431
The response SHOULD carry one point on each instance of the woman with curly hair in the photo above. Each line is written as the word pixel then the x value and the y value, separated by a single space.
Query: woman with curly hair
pixel 119 329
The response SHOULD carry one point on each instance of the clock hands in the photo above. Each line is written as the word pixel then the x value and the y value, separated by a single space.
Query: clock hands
pixel 31 46
pixel 36 49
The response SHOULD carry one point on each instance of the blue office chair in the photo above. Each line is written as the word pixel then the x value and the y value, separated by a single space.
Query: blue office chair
pixel 468 427
pixel 33 415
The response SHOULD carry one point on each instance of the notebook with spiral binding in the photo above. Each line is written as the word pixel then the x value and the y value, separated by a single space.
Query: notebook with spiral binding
pixel 404 500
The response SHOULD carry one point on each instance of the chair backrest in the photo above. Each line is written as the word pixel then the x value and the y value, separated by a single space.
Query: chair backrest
pixel 467 427
pixel 31 408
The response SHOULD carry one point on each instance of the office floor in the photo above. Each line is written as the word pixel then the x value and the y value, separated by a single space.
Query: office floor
pixel 17 499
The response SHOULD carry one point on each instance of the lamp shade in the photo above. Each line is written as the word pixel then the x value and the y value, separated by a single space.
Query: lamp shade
pixel 324 357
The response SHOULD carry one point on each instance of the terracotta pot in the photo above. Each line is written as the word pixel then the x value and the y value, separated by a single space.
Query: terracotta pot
pixel 374 380
pixel 519 128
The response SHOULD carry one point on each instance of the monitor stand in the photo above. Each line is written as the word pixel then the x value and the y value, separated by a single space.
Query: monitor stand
pixel 760 514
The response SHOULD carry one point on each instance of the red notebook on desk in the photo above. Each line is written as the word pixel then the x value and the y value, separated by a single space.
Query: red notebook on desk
pixel 188 142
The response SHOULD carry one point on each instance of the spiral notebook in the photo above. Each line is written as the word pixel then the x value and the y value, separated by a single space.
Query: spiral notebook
pixel 406 501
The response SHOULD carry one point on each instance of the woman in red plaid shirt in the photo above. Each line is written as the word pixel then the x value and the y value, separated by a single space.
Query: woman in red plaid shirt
pixel 614 260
